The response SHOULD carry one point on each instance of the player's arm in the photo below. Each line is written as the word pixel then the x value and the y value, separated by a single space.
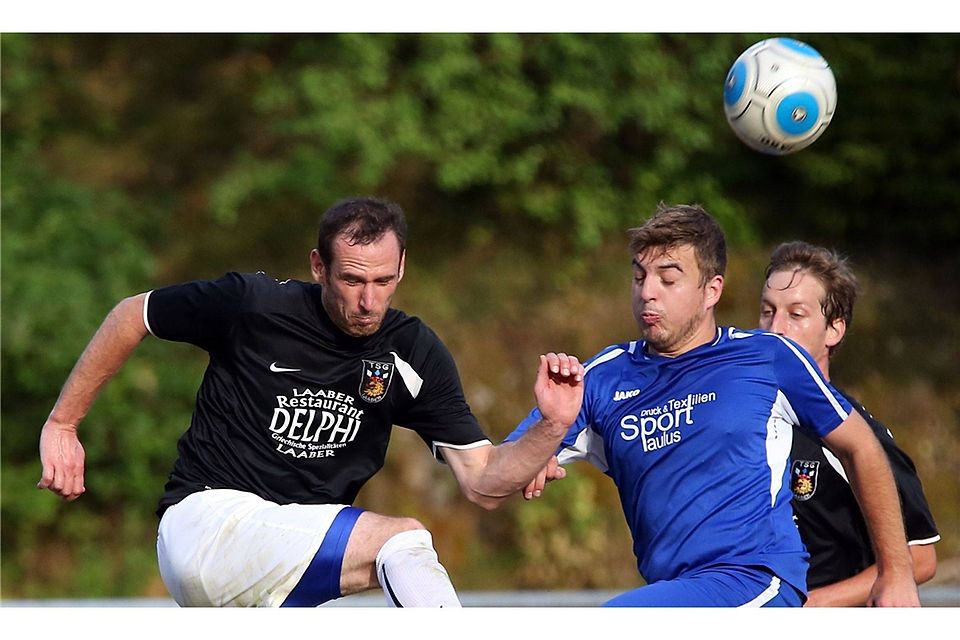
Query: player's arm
pixel 488 475
pixel 871 480
pixel 61 454
pixel 855 590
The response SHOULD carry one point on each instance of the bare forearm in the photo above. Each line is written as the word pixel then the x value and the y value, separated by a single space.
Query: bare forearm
pixel 61 454
pixel 488 475
pixel 511 465
pixel 111 346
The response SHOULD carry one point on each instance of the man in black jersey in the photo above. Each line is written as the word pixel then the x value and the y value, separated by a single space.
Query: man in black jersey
pixel 808 296
pixel 293 416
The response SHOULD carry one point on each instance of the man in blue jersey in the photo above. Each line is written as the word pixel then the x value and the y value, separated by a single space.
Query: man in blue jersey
pixel 808 295
pixel 693 422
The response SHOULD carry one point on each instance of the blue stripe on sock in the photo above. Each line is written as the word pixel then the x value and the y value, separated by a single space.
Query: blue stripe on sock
pixel 321 581
pixel 389 588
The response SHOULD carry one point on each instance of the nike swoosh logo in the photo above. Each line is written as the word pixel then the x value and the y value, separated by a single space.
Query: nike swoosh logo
pixel 276 369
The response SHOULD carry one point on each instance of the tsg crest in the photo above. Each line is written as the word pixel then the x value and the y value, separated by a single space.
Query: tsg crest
pixel 803 479
pixel 375 380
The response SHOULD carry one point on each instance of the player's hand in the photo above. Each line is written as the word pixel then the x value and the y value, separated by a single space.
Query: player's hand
pixel 897 591
pixel 559 388
pixel 550 472
pixel 62 459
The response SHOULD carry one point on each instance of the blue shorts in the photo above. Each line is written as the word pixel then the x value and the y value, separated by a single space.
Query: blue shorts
pixel 718 586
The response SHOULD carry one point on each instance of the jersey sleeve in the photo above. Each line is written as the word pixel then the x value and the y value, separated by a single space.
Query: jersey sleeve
pixel 439 412
pixel 816 404
pixel 199 312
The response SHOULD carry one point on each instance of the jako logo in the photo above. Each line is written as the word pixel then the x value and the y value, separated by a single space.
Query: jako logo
pixel 623 395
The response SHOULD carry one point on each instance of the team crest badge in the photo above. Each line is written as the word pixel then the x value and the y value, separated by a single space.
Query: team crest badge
pixel 803 479
pixel 375 380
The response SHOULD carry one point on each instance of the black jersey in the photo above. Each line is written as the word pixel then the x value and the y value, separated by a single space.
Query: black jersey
pixel 829 518
pixel 291 408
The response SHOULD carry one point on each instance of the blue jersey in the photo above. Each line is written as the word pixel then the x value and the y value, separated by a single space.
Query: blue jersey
pixel 698 447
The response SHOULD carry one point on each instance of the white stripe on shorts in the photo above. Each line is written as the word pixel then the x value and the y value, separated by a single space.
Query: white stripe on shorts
pixel 768 594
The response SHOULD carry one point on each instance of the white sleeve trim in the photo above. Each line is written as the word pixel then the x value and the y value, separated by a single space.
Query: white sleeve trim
pixel 835 463
pixel 436 446
pixel 146 322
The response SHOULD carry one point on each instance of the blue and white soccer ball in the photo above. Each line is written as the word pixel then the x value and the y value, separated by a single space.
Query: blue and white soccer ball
pixel 779 96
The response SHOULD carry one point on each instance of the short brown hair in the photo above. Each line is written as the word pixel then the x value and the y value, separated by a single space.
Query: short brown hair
pixel 363 220
pixel 684 224
pixel 840 285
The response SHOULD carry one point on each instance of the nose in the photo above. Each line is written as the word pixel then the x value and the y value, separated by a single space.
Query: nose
pixel 648 289
pixel 778 323
pixel 367 297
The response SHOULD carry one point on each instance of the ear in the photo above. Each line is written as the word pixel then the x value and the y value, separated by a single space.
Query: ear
pixel 713 290
pixel 403 264
pixel 317 268
pixel 835 332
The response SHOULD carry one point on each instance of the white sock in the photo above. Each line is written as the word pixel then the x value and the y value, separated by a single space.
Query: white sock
pixel 411 574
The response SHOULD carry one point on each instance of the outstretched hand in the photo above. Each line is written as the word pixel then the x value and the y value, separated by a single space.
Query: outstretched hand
pixel 62 458
pixel 559 393
pixel 559 388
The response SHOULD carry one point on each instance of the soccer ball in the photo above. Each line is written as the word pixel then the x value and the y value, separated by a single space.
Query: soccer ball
pixel 780 96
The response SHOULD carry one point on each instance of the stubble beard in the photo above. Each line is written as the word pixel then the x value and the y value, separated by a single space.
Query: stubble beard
pixel 665 341
pixel 349 326
pixel 364 330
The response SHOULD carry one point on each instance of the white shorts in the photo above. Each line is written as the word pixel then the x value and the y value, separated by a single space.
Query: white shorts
pixel 226 548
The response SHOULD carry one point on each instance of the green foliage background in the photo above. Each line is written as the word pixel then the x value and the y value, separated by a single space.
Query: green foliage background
pixel 134 161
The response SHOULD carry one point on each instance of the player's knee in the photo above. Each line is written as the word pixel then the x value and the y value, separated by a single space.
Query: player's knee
pixel 404 533
pixel 398 533
pixel 406 524
pixel 410 573
pixel 375 531
pixel 408 547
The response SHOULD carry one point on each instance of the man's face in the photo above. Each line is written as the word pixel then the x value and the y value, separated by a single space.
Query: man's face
pixel 672 309
pixel 359 284
pixel 790 305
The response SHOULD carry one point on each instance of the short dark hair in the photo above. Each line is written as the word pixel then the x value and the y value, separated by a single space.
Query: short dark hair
pixel 684 224
pixel 840 285
pixel 362 220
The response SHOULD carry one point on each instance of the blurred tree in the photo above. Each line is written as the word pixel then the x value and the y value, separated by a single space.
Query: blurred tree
pixel 71 251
